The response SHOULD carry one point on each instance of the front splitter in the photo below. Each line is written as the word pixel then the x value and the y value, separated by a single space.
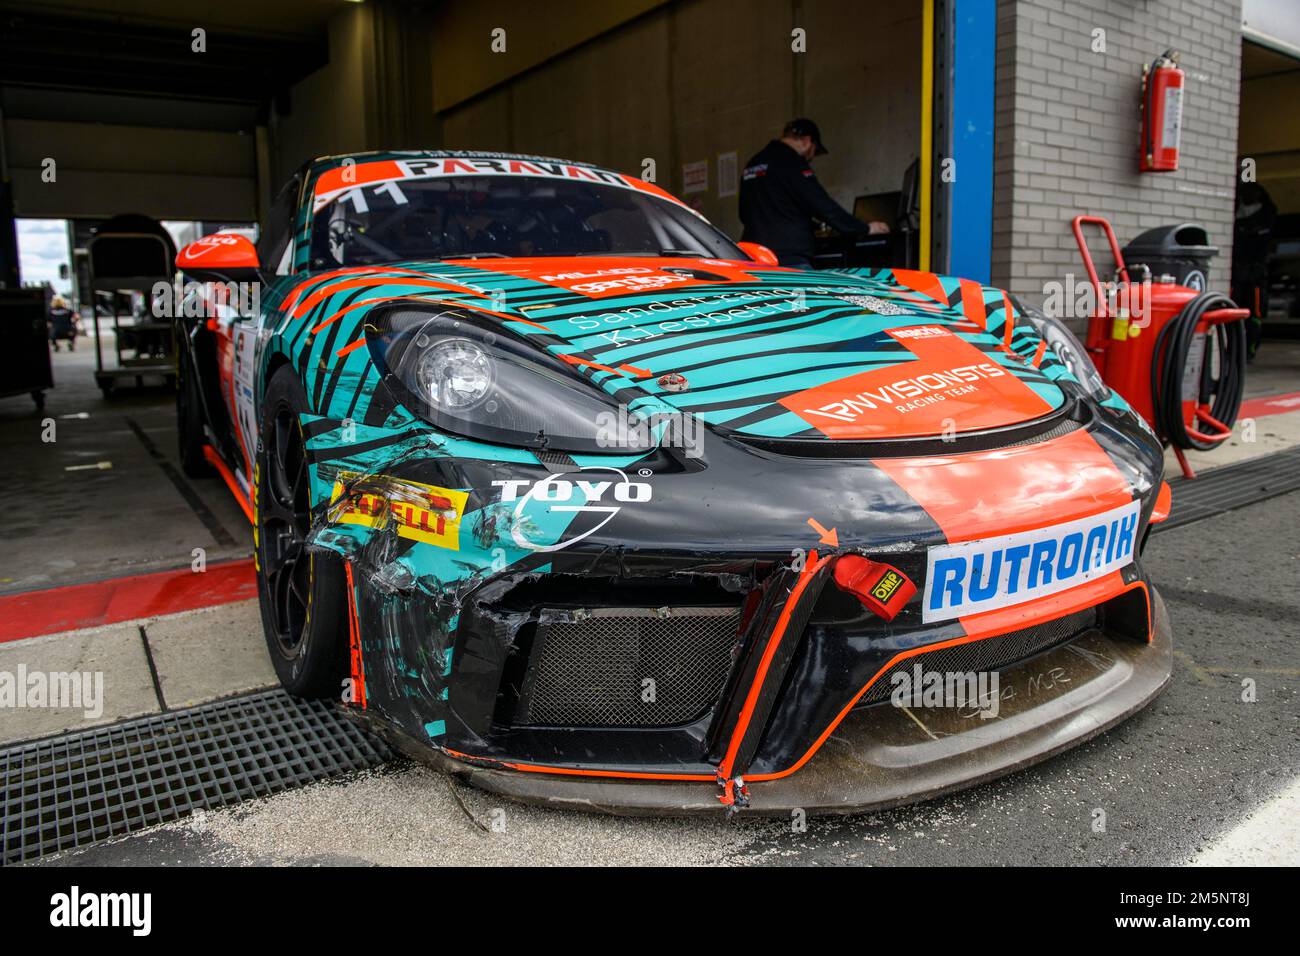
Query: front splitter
pixel 885 756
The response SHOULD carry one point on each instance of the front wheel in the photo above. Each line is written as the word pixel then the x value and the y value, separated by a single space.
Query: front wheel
pixel 301 592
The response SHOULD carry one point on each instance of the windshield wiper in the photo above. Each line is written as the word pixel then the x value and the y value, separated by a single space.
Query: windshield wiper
pixel 473 255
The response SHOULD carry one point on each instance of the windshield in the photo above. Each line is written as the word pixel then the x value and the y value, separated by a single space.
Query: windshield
pixel 514 216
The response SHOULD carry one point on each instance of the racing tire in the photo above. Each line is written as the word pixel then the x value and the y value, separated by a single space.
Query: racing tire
pixel 190 437
pixel 302 592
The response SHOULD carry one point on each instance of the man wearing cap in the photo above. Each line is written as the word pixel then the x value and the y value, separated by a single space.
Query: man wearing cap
pixel 780 197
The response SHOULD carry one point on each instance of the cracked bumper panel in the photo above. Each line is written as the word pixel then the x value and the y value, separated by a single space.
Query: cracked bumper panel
pixel 480 569
pixel 884 756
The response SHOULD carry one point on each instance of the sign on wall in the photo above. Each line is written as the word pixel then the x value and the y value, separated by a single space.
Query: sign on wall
pixel 727 166
pixel 695 177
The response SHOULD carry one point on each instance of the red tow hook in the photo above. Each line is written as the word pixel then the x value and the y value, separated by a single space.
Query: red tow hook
pixel 882 588
pixel 734 795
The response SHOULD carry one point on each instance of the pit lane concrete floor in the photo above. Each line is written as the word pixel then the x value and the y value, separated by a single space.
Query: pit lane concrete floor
pixel 1199 775
pixel 105 498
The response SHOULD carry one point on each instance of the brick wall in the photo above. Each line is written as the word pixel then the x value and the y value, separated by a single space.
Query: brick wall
pixel 1067 129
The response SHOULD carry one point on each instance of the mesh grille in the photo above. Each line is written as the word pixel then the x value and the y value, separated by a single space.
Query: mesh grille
pixel 590 673
pixel 989 654
pixel 69 791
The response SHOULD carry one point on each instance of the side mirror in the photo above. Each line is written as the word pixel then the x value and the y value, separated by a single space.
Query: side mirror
pixel 759 253
pixel 223 257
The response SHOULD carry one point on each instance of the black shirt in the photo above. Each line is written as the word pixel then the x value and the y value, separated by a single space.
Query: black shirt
pixel 61 320
pixel 779 198
pixel 1251 238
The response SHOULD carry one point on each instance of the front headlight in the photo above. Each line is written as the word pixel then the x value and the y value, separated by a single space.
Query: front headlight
pixel 1070 351
pixel 470 378
pixel 453 376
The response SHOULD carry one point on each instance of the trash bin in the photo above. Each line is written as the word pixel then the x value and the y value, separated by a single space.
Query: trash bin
pixel 24 345
pixel 1181 251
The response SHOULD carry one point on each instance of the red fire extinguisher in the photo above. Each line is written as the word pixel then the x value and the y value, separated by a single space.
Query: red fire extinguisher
pixel 1162 113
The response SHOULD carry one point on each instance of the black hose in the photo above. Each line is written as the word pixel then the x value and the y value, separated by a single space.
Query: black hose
pixel 1222 394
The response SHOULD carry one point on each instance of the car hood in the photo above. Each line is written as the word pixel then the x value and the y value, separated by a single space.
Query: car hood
pixel 778 353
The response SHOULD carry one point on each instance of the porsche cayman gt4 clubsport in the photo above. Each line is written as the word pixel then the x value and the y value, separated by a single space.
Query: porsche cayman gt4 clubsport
pixel 566 492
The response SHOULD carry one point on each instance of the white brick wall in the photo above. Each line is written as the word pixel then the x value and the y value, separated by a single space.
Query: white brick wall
pixel 1067 130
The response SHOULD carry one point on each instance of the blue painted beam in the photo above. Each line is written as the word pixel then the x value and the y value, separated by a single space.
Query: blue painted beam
pixel 974 46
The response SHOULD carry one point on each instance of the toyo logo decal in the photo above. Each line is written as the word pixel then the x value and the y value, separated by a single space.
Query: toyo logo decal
pixel 424 513
pixel 976 576
pixel 570 494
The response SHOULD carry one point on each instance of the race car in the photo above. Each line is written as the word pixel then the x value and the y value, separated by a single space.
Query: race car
pixel 567 493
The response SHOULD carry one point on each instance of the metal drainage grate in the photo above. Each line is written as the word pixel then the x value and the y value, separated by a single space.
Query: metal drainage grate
pixel 70 791
pixel 1233 486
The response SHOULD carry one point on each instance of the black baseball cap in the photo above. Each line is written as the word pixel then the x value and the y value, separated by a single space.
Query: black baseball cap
pixel 806 127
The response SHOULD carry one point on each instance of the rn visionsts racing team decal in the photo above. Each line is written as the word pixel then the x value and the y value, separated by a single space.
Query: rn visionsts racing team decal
pixel 990 573
pixel 950 386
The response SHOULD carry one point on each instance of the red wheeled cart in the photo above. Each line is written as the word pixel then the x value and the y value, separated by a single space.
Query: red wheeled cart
pixel 1176 354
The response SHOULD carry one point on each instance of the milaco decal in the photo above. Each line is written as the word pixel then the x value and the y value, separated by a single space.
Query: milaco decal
pixel 950 386
pixel 990 573
pixel 617 275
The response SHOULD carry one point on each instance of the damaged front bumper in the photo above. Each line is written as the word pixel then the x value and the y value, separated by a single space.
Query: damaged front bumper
pixel 662 635
pixel 883 756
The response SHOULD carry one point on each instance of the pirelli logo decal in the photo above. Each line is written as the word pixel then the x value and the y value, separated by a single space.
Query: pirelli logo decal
pixel 424 513
pixel 976 576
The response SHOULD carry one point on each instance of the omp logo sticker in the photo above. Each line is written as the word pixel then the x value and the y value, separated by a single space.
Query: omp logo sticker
pixel 948 381
pixel 568 494
pixel 424 513
pixel 975 576
pixel 887 585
